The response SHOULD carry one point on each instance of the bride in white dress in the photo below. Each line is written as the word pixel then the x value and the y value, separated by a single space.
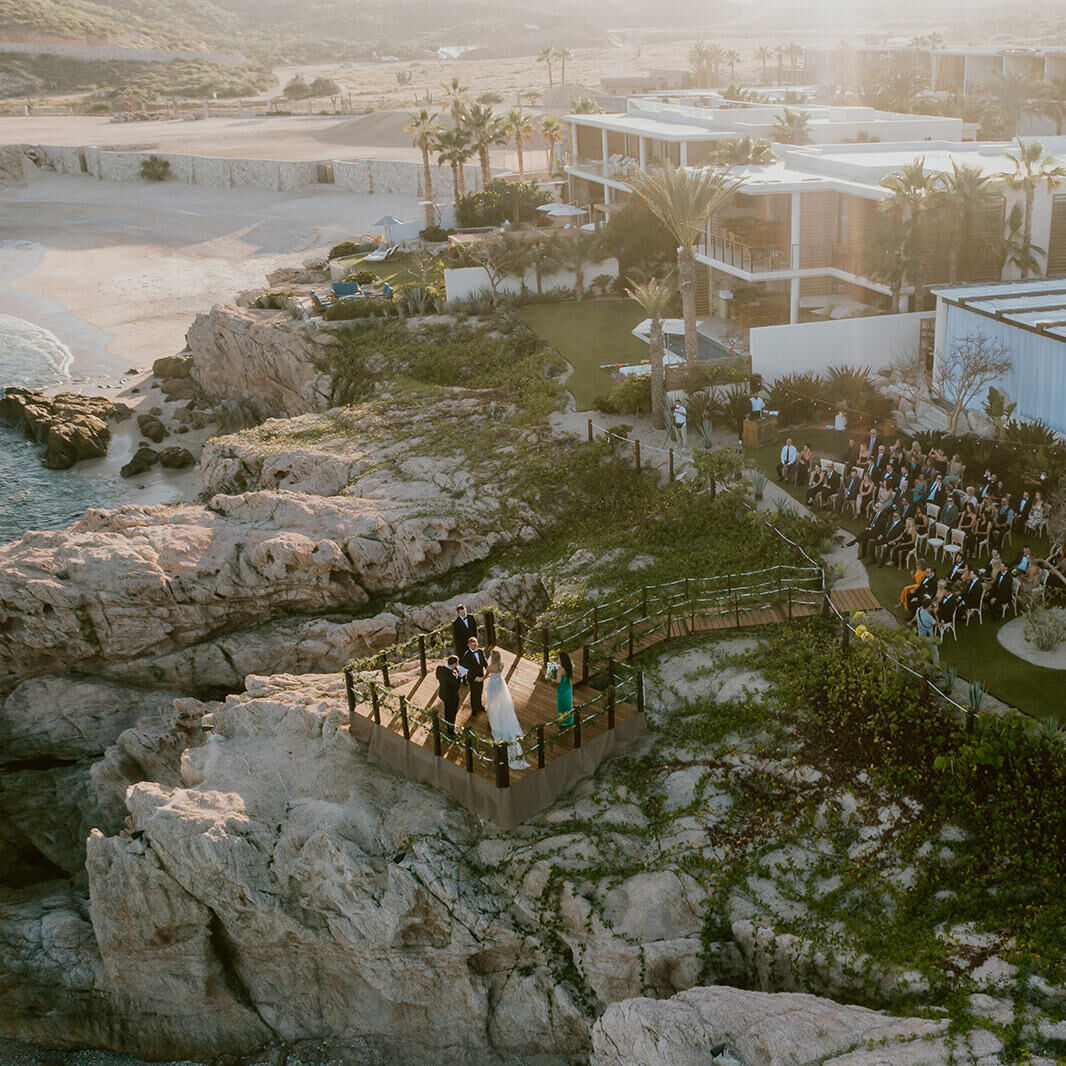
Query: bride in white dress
pixel 502 718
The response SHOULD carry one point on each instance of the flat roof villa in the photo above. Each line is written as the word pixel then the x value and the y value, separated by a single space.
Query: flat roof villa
pixel 790 244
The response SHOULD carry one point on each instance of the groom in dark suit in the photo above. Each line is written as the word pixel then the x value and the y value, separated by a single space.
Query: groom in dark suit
pixel 476 667
pixel 449 682
pixel 463 628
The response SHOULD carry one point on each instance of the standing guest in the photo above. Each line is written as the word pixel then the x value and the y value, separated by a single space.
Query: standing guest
pixel 448 687
pixel 801 470
pixel 851 456
pixel 878 463
pixel 476 666
pixel 564 694
pixel 925 620
pixel 789 455
pixel 872 441
pixel 758 405
pixel 680 415
pixel 915 457
pixel 463 628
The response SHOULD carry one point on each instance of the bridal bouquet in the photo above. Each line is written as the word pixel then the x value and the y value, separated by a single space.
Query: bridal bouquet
pixel 551 672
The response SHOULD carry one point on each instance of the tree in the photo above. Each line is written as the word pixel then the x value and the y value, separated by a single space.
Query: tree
pixel 574 252
pixel 913 190
pixel 324 87
pixel 780 50
pixel 297 89
pixel 744 152
pixel 1033 168
pixel 585 105
pixel 551 129
pixel 547 56
pixel 1010 98
pixel 424 125
pixel 453 147
pixel 795 53
pixel 656 297
pixel 1014 249
pixel 898 84
pixel 792 127
pixel 498 255
pixel 966 367
pixel 699 64
pixel 639 241
pixel 519 125
pixel 731 57
pixel 484 128
pixel 714 59
pixel 764 55
pixel 891 253
pixel 965 193
pixel 456 93
pixel 684 201
pixel 563 54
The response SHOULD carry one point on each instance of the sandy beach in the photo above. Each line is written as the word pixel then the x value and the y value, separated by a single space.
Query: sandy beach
pixel 118 271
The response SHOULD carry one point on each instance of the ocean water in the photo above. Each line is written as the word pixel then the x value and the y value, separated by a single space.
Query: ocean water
pixel 31 496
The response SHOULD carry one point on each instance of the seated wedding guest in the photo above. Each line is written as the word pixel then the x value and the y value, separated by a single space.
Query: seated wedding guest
pixel 888 540
pixel 864 455
pixel 851 456
pixel 984 527
pixel 895 452
pixel 927 588
pixel 1001 591
pixel 908 590
pixel 865 496
pixel 787 460
pixel 914 456
pixel 921 519
pixel 939 459
pixel 849 489
pixel 970 497
pixel 948 607
pixel 942 591
pixel 971 590
pixel 1021 512
pixel 903 545
pixel 875 526
pixel 937 493
pixel 1037 513
pixel 968 524
pixel 958 570
pixel 1002 521
pixel 991 568
pixel 949 513
pixel 919 489
pixel 1024 563
pixel 815 483
pixel 801 470
pixel 830 489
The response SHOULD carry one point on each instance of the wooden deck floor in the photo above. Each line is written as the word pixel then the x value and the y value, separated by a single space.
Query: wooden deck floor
pixel 534 700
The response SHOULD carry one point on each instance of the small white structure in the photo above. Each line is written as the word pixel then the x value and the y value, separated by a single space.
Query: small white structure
pixel 1028 318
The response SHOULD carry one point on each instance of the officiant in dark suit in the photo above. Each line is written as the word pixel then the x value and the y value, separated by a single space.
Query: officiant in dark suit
pixel 476 666
pixel 449 682
pixel 463 628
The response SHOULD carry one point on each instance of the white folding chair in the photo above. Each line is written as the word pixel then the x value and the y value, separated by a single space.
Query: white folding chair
pixel 938 540
pixel 955 546
pixel 948 627
pixel 978 610
pixel 839 468
pixel 932 511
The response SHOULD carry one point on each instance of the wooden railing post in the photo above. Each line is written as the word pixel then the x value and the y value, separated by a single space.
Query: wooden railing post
pixel 790 603
pixel 640 692
pixel 422 655
pixel 547 645
pixel 503 770
pixel 610 693
pixel 436 735
pixel 349 688
pixel 403 718
pixel 375 703
pixel 590 430
pixel 490 629
pixel 671 464
pixel 385 671
pixel 636 452
pixel 540 746
pixel 469 745
pixel 669 621
pixel 585 665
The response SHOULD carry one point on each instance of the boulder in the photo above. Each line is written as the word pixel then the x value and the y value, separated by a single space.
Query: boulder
pixel 176 458
pixel 170 367
pixel 179 388
pixel 71 427
pixel 143 459
pixel 151 426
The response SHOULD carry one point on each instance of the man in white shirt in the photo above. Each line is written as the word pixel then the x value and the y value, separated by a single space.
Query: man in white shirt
pixel 681 422
pixel 757 405
pixel 788 459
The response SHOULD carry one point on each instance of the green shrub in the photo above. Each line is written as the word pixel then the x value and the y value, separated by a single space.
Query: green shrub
pixel 362 277
pixel 631 396
pixel 501 201
pixel 346 310
pixel 155 169
pixel 435 234
pixel 344 249
pixel 1046 627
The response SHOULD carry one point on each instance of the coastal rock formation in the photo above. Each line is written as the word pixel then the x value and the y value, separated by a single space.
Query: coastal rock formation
pixel 253 365
pixel 144 581
pixel 71 427
pixel 761 1029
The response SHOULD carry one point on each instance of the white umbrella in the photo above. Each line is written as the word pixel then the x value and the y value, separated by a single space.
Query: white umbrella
pixel 565 210
pixel 388 221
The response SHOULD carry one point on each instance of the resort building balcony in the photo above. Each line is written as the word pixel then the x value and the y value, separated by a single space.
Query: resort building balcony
pixel 725 250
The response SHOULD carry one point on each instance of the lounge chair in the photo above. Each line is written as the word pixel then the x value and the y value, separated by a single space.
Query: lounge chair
pixel 385 293
pixel 381 253
pixel 319 303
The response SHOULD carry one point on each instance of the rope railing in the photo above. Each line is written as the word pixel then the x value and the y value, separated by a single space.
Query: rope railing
pixel 675 460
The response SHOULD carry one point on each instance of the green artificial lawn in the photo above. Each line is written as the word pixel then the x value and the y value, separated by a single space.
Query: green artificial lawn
pixel 977 655
pixel 587 335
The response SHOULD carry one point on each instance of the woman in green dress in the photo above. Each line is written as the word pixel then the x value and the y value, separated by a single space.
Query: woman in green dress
pixel 564 694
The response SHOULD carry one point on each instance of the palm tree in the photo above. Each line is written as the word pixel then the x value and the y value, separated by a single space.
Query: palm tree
pixel 892 253
pixel 518 123
pixel 1014 250
pixel 731 57
pixel 563 54
pixel 913 190
pixel 585 105
pixel 575 252
pixel 965 193
pixel 795 51
pixel 551 129
pixel 453 147
pixel 1011 97
pixel 547 56
pixel 699 61
pixel 484 129
pixel 764 55
pixel 780 50
pixel 898 84
pixel 792 127
pixel 1033 168
pixel 744 152
pixel 655 297
pixel 714 57
pixel 456 92
pixel 424 125
pixel 684 201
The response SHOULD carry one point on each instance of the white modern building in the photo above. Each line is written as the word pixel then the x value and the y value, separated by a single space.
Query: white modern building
pixel 1026 318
